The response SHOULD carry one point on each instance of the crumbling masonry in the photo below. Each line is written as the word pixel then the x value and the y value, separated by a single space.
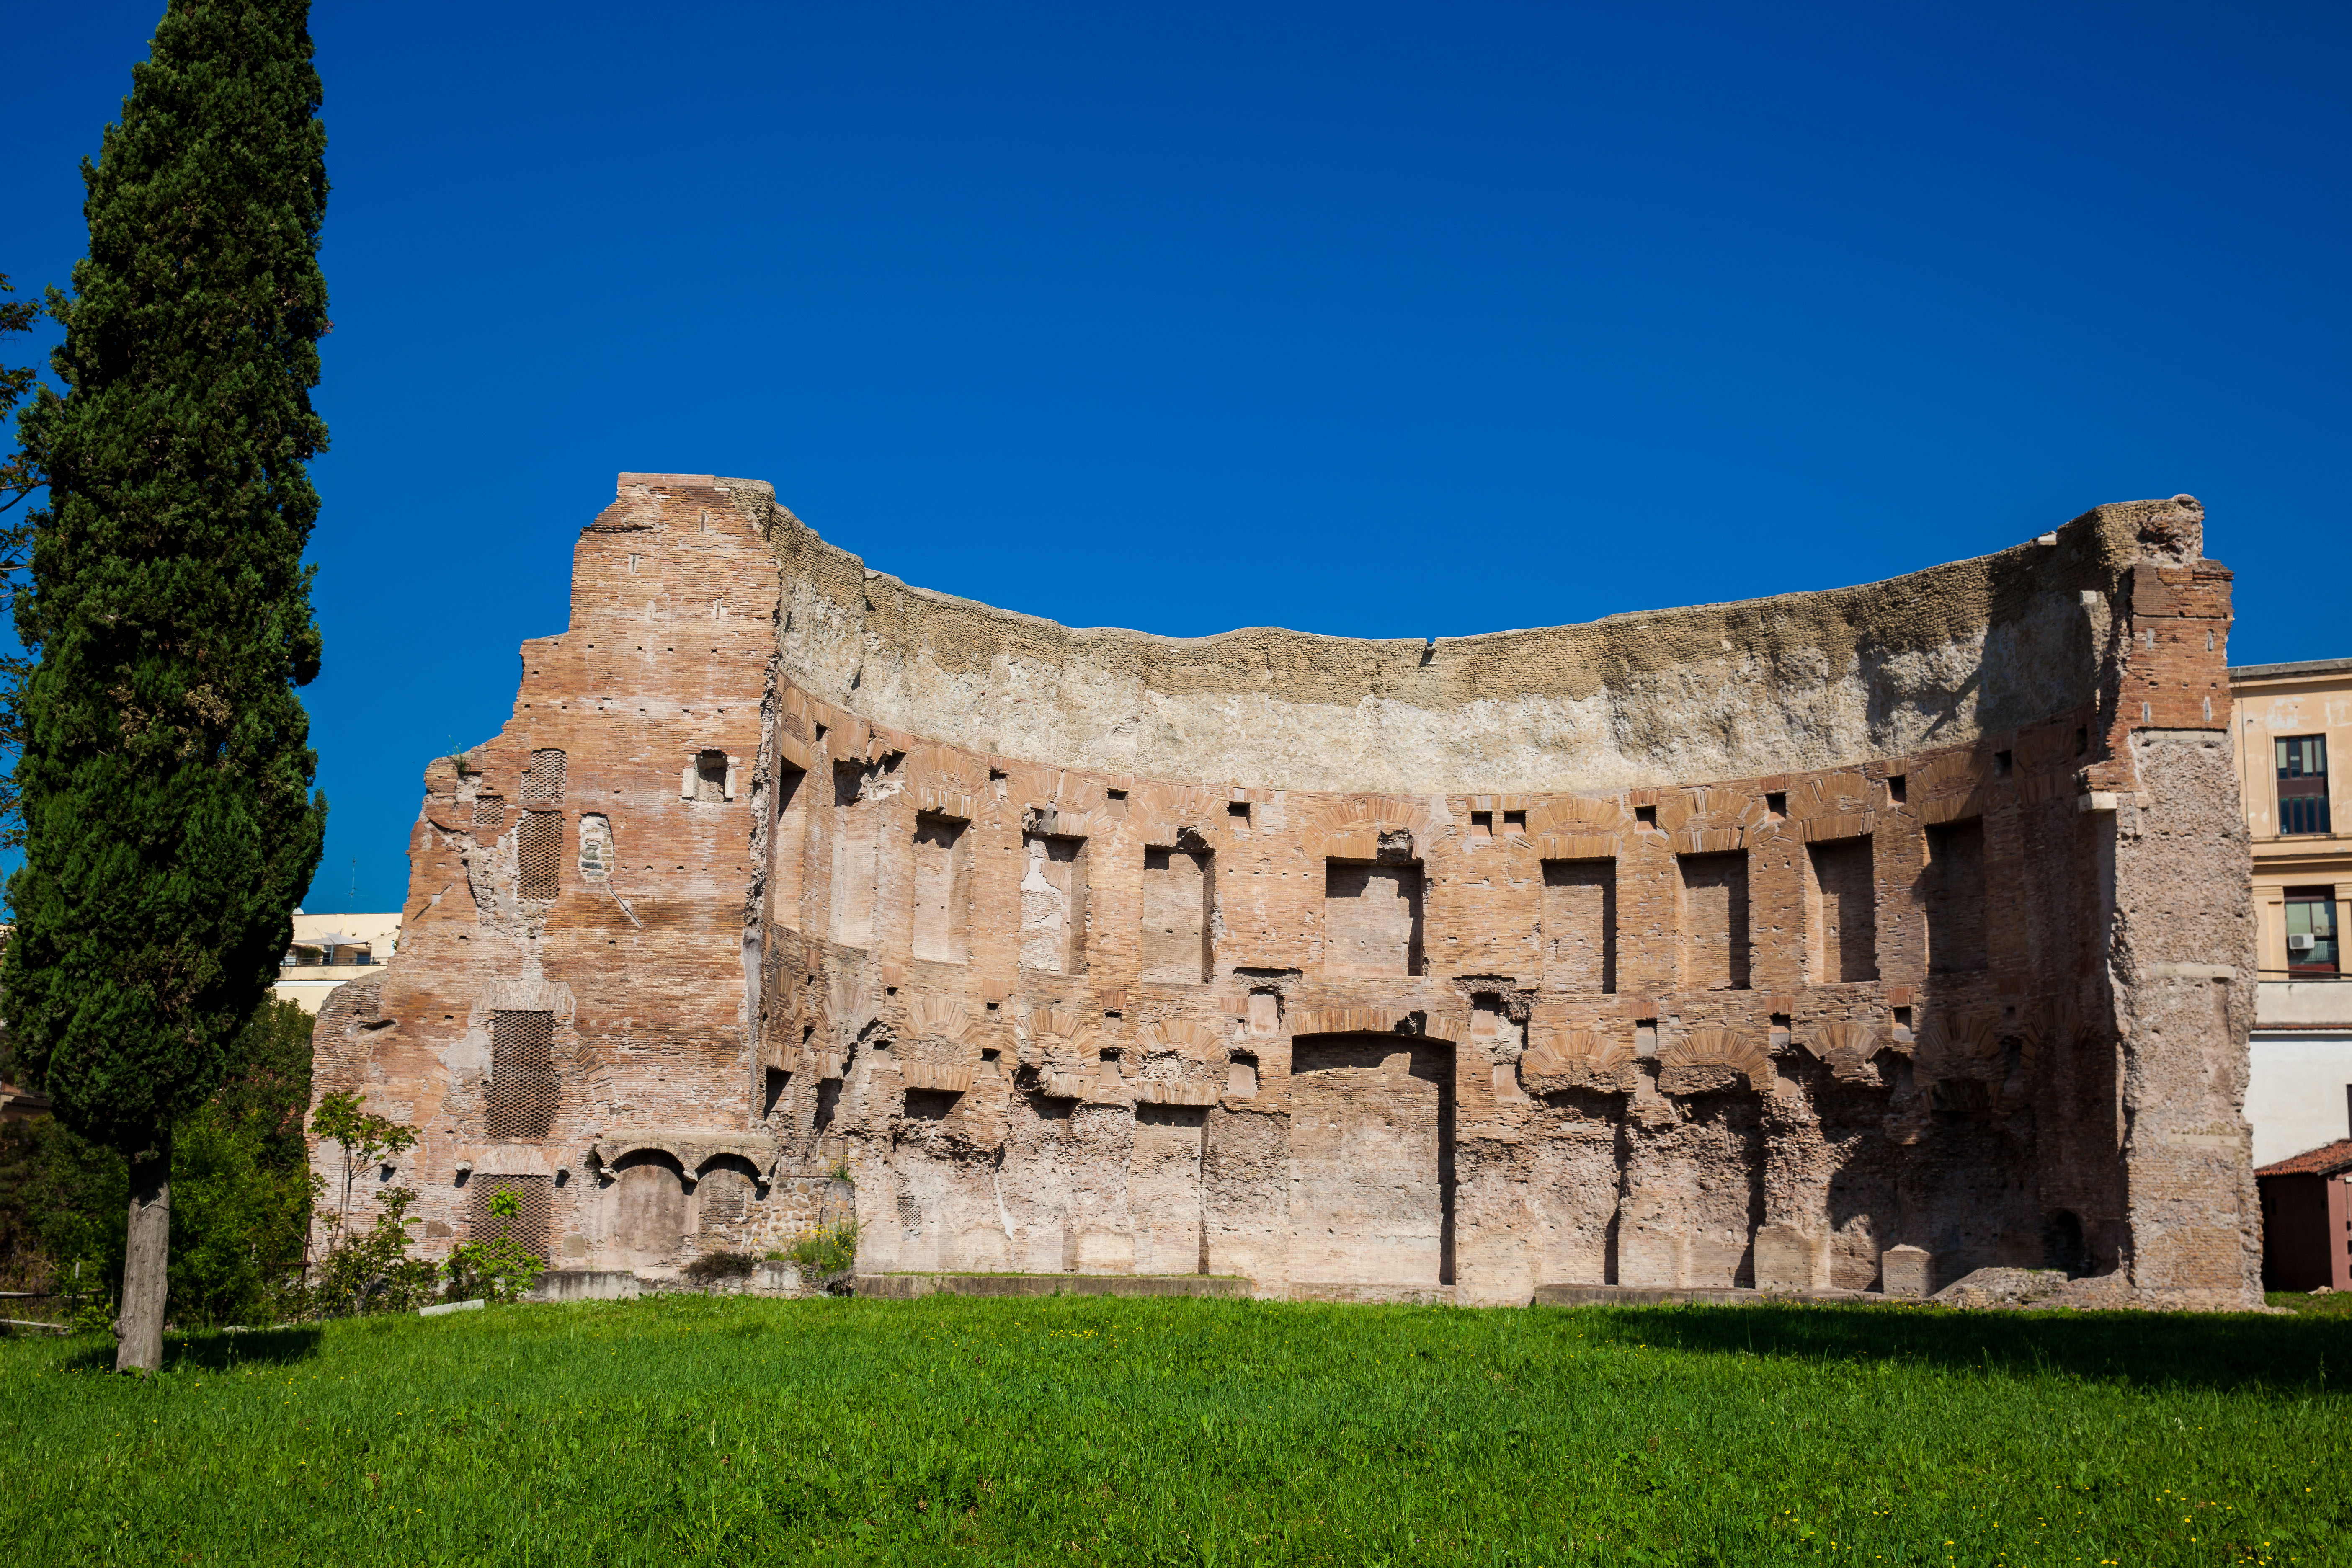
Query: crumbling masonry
pixel 1839 941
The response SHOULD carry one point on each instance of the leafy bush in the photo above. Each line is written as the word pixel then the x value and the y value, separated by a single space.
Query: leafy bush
pixel 826 1252
pixel 499 1269
pixel 713 1265
pixel 241 1194
pixel 368 1271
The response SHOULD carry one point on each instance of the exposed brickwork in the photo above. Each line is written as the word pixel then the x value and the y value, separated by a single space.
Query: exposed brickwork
pixel 1947 998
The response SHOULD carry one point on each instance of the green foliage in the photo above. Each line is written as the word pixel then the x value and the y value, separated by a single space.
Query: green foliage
pixel 500 1268
pixel 689 1429
pixel 365 1270
pixel 826 1252
pixel 713 1265
pixel 18 480
pixel 268 1088
pixel 370 1270
pixel 165 771
pixel 62 1202
pixel 242 1191
pixel 238 1222
pixel 364 1139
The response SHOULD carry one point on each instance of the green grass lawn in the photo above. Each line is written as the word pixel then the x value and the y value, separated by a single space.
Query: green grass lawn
pixel 1074 1429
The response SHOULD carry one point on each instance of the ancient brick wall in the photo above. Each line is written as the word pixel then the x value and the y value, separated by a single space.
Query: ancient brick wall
pixel 1740 944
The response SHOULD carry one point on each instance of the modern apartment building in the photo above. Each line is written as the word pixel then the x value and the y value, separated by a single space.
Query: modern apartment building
pixel 2293 724
pixel 328 950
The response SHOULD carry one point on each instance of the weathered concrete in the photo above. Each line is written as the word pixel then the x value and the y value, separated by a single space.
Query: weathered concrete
pixel 585 1285
pixel 1833 943
pixel 1636 1296
pixel 906 1287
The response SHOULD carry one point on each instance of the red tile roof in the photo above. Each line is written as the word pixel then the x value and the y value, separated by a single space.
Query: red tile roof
pixel 2323 1161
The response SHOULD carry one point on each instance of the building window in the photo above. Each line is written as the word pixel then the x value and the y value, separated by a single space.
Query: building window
pixel 2302 784
pixel 2311 932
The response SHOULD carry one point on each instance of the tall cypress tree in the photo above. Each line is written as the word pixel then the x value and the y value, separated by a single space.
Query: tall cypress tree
pixel 166 769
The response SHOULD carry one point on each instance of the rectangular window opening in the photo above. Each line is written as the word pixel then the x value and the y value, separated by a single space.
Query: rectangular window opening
pixel 1578 933
pixel 1053 906
pixel 1840 912
pixel 1179 889
pixel 1954 882
pixel 539 855
pixel 2302 784
pixel 1372 918
pixel 942 889
pixel 1714 898
pixel 2311 933
pixel 788 846
pixel 521 1097
pixel 856 846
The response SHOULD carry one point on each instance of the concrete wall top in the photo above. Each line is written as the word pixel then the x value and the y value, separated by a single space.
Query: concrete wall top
pixel 1941 657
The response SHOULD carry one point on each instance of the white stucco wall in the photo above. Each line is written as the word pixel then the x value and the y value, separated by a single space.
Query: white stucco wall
pixel 2296 1094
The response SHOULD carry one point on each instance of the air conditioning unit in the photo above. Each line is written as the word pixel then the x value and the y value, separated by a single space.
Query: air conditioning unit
pixel 2299 943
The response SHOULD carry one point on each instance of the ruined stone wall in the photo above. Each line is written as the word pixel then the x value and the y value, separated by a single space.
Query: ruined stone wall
pixel 1736 945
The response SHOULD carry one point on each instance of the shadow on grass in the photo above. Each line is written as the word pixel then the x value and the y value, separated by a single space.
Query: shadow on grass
pixel 205 1349
pixel 2304 1355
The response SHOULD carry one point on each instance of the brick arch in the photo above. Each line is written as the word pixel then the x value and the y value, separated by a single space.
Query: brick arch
pixel 1185 1036
pixel 1577 827
pixel 943 780
pixel 1372 1021
pixel 1341 1021
pixel 1949 786
pixel 689 1152
pixel 932 1017
pixel 1846 1048
pixel 1062 823
pixel 1713 817
pixel 1842 804
pixel 1166 812
pixel 1561 1052
pixel 728 1159
pixel 1072 1031
pixel 1960 1043
pixel 1351 829
pixel 1706 1049
pixel 2047 1026
pixel 2051 1024
pixel 843 1007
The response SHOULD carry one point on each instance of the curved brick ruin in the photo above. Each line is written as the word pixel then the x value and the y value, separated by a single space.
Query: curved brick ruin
pixel 1841 940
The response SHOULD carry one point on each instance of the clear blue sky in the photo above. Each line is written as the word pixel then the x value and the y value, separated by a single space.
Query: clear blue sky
pixel 1376 321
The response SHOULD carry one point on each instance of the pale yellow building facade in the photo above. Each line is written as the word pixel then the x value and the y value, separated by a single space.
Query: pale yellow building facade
pixel 2292 723
pixel 328 950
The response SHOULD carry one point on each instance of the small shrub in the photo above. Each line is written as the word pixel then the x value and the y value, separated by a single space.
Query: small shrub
pixel 827 1254
pixel 713 1265
pixel 364 1271
pixel 499 1269
pixel 370 1271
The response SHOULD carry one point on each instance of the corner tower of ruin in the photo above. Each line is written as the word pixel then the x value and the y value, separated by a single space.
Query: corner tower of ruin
pixel 1838 942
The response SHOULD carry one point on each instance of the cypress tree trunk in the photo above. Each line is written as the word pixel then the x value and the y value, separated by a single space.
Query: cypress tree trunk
pixel 166 772
pixel 146 1262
